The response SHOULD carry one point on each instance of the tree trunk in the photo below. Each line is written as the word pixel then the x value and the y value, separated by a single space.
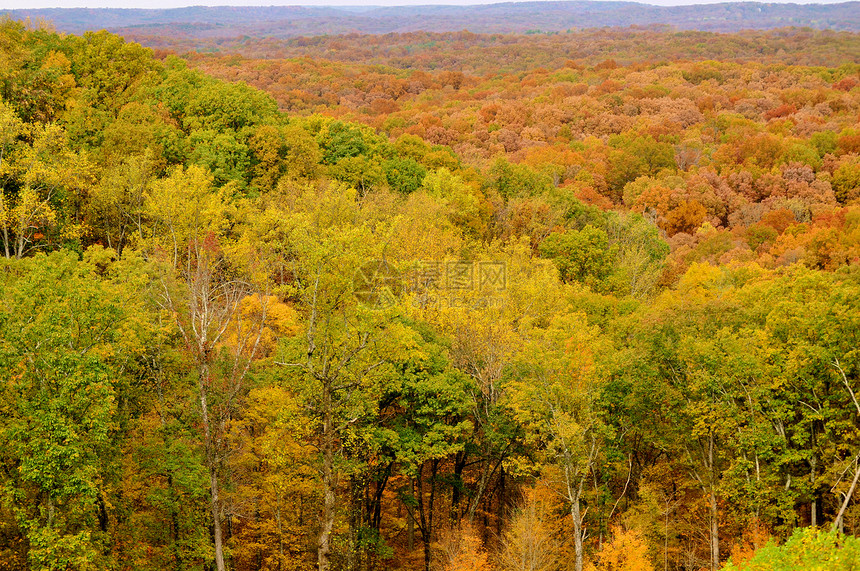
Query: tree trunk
pixel 715 535
pixel 324 546
pixel 574 494
pixel 502 507
pixel 216 519
pixel 212 466
pixel 3 215
pixel 486 473
pixel 576 515
pixel 813 506
pixel 666 538
pixel 457 486
pixel 376 511
pixel 358 518
pixel 19 246
pixel 422 516
pixel 837 523
pixel 5 226
pixel 813 463
pixel 714 531
pixel 410 532
pixel 425 511
pixel 434 466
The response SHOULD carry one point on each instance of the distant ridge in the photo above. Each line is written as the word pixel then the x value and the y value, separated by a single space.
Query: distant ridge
pixel 511 17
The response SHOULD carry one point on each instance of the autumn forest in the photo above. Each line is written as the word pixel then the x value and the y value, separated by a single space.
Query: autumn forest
pixel 430 301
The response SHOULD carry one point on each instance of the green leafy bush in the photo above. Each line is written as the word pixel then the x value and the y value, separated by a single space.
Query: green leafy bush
pixel 807 549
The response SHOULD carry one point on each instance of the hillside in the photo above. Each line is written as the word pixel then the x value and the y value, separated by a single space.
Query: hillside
pixel 513 17
pixel 486 54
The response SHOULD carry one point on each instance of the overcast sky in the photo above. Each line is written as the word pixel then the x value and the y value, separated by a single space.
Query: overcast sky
pixel 12 4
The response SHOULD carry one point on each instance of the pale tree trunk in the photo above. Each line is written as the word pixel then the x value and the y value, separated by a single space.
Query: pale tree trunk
pixel 212 467
pixel 6 240
pixel 5 224
pixel 3 215
pixel 330 364
pixel 327 523
pixel 575 513
pixel 837 523
pixel 813 506
pixel 575 482
pixel 708 483
pixel 715 530
pixel 19 245
pixel 212 306
pixel 575 470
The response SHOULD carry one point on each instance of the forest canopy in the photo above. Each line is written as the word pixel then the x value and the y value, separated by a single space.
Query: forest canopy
pixel 312 313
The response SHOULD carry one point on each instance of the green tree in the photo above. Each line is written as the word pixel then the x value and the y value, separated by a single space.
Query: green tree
pixel 223 107
pixel 224 153
pixel 404 174
pixel 807 548
pixel 511 180
pixel 583 256
pixel 429 403
pixel 69 341
pixel 116 211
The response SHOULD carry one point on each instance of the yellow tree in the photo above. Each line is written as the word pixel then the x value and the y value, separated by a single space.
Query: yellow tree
pixel 40 177
pixel 529 542
pixel 203 291
pixel 274 482
pixel 627 551
pixel 11 128
pixel 338 358
pixel 553 394
pixel 116 205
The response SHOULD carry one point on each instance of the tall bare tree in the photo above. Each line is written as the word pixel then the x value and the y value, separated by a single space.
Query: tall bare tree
pixel 204 292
